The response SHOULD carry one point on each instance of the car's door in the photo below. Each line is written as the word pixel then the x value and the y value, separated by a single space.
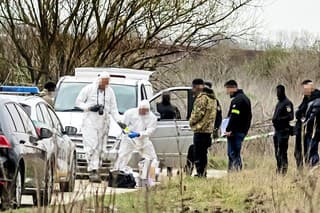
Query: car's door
pixel 64 153
pixel 33 151
pixel 173 137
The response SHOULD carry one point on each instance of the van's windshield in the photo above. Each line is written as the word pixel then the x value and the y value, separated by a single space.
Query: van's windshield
pixel 68 92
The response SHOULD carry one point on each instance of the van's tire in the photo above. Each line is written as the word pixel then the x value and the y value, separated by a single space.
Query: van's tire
pixel 46 195
pixel 11 194
pixel 70 185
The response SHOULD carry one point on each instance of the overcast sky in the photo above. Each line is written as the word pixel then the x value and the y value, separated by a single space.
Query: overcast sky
pixel 291 16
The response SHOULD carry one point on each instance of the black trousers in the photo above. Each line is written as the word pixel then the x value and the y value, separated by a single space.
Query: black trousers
pixel 201 142
pixel 298 152
pixel 190 160
pixel 281 139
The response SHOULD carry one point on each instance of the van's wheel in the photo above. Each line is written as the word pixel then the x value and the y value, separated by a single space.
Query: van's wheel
pixel 69 186
pixel 11 194
pixel 46 195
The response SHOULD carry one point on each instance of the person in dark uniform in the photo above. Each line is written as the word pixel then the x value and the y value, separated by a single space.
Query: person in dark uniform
pixel 282 116
pixel 312 132
pixel 240 116
pixel 166 109
pixel 310 94
pixel 218 121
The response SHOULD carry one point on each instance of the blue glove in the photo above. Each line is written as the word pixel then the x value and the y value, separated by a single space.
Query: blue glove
pixel 133 135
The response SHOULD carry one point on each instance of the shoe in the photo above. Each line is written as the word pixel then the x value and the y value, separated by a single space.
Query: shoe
pixel 94 177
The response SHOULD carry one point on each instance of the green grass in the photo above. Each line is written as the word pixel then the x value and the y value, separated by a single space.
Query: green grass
pixel 256 189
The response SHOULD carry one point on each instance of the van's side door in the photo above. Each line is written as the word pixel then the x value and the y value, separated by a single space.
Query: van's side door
pixel 173 137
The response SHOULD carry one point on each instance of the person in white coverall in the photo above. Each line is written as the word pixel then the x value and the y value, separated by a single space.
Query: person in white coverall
pixel 141 123
pixel 98 102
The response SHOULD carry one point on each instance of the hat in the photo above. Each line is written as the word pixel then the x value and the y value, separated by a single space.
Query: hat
pixel 208 84
pixel 104 75
pixel 144 104
pixel 50 86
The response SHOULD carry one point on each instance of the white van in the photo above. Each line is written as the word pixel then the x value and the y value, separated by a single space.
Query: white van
pixel 130 86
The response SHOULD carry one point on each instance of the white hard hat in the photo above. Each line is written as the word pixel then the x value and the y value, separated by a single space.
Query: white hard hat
pixel 104 75
pixel 144 104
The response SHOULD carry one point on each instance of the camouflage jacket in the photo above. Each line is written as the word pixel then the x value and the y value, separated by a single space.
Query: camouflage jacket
pixel 203 113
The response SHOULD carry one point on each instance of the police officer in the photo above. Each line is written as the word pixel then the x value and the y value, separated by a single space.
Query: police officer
pixel 167 110
pixel 310 94
pixel 282 116
pixel 218 121
pixel 50 88
pixel 240 116
pixel 201 122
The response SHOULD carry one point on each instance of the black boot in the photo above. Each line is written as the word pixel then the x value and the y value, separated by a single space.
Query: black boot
pixel 94 177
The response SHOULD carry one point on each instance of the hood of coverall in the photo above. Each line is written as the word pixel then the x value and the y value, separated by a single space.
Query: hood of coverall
pixel 144 104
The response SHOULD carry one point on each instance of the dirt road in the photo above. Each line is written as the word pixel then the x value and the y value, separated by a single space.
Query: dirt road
pixel 84 189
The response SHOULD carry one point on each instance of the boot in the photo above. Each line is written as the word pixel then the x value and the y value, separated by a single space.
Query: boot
pixel 94 177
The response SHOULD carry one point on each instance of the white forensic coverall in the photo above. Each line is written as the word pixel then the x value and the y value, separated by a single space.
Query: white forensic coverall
pixel 95 127
pixel 145 126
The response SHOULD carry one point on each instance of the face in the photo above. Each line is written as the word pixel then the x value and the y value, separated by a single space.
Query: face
pixel 308 89
pixel 104 82
pixel 230 90
pixel 196 89
pixel 143 111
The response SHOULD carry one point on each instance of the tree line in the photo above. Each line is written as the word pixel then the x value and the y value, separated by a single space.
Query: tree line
pixel 45 39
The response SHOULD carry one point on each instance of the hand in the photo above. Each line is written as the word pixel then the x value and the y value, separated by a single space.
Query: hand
pixel 133 135
pixel 215 134
pixel 228 134
pixel 122 125
pixel 94 108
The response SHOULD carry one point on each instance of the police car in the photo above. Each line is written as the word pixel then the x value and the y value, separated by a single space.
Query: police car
pixel 60 148
pixel 25 166
pixel 130 87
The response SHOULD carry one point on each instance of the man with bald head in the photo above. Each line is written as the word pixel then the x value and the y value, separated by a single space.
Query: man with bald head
pixel 98 101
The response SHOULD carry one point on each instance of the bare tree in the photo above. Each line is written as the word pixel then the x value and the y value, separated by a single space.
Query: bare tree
pixel 54 36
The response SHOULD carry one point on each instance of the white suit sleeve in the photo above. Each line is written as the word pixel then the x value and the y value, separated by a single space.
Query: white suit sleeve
pixel 126 117
pixel 81 100
pixel 113 107
pixel 152 125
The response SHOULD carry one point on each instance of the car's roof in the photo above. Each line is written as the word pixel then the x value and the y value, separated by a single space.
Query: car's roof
pixel 120 81
pixel 22 99
pixel 93 72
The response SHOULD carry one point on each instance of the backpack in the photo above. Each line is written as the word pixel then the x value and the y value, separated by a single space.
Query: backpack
pixel 121 179
pixel 218 121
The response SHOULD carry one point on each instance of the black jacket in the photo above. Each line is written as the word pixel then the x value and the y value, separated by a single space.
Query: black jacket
pixel 313 120
pixel 168 111
pixel 283 114
pixel 302 109
pixel 239 113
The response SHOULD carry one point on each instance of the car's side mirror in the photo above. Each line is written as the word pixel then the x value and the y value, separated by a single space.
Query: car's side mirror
pixel 157 114
pixel 45 133
pixel 70 130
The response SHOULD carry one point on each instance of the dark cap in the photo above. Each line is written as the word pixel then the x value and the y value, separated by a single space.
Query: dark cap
pixel 231 84
pixel 208 84
pixel 50 86
pixel 197 81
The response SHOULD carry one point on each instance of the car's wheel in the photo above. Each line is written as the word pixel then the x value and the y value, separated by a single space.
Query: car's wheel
pixel 17 192
pixel 69 186
pixel 46 195
pixel 11 194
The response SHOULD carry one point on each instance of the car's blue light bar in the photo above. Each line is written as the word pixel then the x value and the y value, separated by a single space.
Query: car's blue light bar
pixel 20 89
